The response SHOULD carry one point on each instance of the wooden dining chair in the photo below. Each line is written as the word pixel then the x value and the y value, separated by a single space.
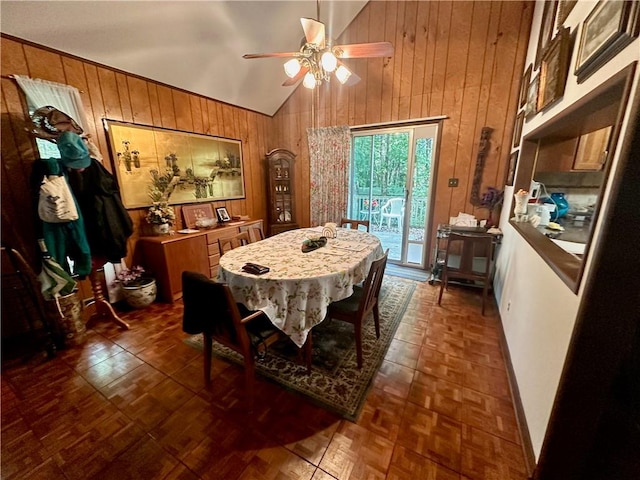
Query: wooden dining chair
pixel 468 257
pixel 364 300
pixel 354 224
pixel 210 309
pixel 256 234
pixel 233 241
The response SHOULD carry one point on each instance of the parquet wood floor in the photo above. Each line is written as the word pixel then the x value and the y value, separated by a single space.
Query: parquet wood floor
pixel 132 405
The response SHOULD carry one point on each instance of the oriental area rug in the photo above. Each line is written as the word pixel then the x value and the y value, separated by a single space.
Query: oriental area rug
pixel 335 382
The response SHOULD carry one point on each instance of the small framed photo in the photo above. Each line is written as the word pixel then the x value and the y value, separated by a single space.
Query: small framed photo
pixel 531 108
pixel 553 69
pixel 223 215
pixel 609 28
pixel 513 164
pixel 517 130
pixel 524 86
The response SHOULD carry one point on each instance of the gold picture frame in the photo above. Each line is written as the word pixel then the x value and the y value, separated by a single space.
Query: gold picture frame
pixel 531 107
pixel 524 86
pixel 546 29
pixel 151 163
pixel 609 28
pixel 513 165
pixel 517 130
pixel 553 69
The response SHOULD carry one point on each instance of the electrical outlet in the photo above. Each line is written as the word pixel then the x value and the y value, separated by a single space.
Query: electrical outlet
pixel 453 182
pixel 508 305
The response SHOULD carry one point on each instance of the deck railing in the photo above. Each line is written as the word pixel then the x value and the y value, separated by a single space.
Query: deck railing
pixel 360 205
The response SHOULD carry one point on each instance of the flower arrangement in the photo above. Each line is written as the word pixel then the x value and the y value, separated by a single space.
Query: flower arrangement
pixel 160 213
pixel 374 203
pixel 132 277
pixel 491 199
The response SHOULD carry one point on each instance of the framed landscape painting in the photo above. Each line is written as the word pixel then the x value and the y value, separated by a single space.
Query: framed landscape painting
pixel 610 27
pixel 553 69
pixel 158 164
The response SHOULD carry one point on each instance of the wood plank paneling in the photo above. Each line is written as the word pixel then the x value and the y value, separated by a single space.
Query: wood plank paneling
pixel 108 93
pixel 140 101
pixel 460 59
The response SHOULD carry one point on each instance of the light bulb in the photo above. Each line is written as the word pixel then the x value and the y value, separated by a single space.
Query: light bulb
pixel 309 81
pixel 343 74
pixel 329 61
pixel 292 67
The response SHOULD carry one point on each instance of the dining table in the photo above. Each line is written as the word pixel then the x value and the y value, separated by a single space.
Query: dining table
pixel 299 287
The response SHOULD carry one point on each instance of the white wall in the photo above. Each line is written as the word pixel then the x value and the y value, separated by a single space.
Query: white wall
pixel 537 309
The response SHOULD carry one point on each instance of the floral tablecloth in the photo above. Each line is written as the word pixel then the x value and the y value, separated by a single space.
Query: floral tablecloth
pixel 299 287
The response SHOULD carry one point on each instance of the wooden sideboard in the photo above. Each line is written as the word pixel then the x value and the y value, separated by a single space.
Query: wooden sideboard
pixel 169 255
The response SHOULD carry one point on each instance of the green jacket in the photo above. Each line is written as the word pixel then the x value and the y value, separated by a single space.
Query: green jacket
pixel 66 239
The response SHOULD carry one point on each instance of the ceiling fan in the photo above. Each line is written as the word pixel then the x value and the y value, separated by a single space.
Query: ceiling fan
pixel 318 58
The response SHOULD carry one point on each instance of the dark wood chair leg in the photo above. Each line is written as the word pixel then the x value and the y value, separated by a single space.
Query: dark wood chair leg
pixel 485 292
pixel 358 332
pixel 376 319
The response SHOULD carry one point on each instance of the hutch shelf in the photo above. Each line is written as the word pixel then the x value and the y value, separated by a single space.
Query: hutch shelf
pixel 280 191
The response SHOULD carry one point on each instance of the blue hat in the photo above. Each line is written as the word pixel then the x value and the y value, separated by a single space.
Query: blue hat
pixel 73 151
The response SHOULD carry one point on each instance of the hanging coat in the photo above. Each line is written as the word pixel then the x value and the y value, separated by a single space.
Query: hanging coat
pixel 107 223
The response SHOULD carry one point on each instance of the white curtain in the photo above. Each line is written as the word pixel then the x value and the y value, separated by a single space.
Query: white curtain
pixel 41 93
pixel 329 157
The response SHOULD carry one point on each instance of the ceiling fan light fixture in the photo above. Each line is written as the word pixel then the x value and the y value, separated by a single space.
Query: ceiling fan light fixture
pixel 329 61
pixel 309 81
pixel 343 74
pixel 292 67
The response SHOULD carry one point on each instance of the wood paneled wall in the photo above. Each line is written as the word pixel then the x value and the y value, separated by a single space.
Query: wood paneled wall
pixel 459 59
pixel 107 93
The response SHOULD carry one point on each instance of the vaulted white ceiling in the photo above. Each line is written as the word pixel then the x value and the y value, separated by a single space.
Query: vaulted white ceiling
pixel 193 45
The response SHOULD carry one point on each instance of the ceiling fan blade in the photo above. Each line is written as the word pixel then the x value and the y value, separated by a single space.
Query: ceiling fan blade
pixel 292 81
pixel 362 50
pixel 266 55
pixel 313 31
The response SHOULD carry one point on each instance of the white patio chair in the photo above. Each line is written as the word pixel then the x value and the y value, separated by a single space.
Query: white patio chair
pixel 394 208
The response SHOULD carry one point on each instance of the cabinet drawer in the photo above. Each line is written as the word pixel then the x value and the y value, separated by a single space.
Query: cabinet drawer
pixel 214 260
pixel 212 237
pixel 213 249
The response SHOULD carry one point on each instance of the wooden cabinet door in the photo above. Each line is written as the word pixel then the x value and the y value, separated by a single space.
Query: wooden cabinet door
pixel 592 150
pixel 281 190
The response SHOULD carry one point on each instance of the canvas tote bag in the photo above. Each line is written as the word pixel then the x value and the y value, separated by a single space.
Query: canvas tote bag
pixel 55 202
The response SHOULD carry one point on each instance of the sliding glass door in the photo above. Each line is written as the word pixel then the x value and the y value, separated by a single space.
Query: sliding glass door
pixel 390 185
